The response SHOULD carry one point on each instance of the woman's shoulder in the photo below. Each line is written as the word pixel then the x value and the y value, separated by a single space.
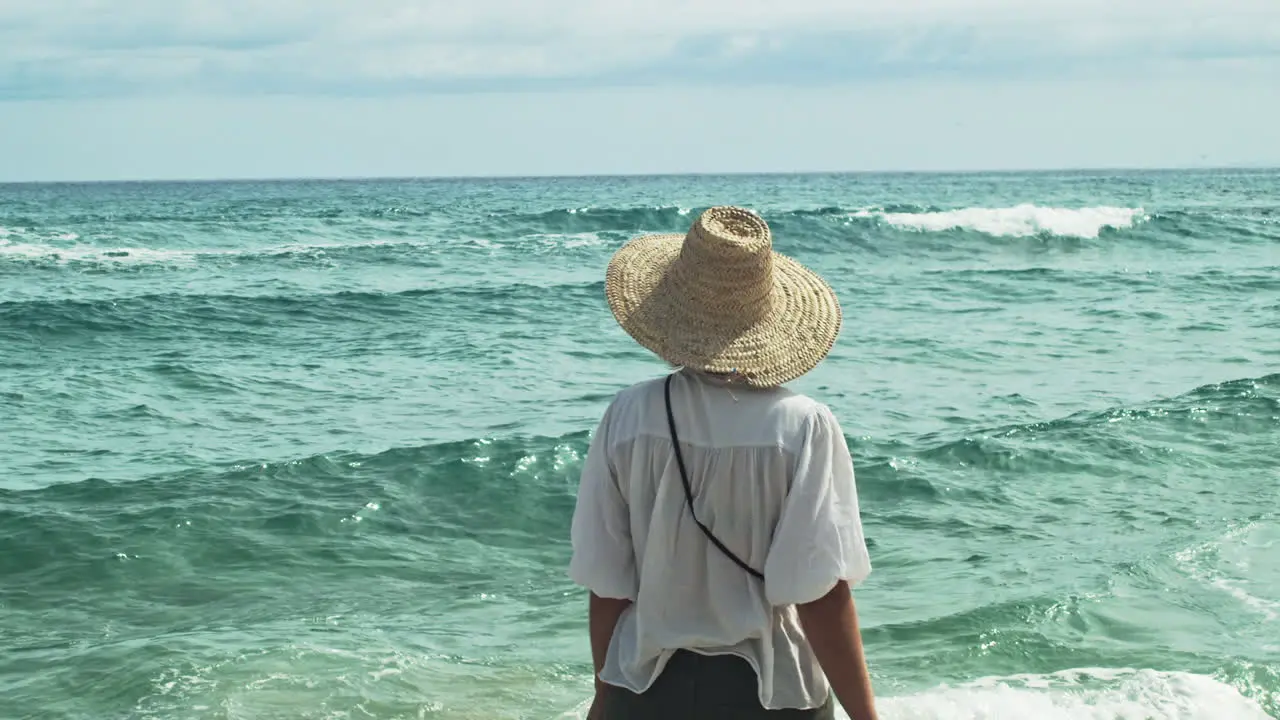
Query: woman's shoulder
pixel 784 415
pixel 784 399
pixel 641 391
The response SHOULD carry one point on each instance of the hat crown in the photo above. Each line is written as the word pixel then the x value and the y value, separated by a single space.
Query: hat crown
pixel 732 234
pixel 726 264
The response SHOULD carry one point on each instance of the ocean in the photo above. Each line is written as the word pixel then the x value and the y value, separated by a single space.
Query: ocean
pixel 309 449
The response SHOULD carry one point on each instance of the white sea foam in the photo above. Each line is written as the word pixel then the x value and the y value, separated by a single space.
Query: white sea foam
pixel 1019 221
pixel 62 248
pixel 315 248
pixel 1229 564
pixel 55 249
pixel 38 252
pixel 1080 695
pixel 1084 694
pixel 567 240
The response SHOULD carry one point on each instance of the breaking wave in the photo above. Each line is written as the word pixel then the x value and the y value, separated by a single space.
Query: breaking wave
pixel 1019 221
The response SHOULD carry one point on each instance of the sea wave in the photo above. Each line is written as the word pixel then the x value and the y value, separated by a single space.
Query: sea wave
pixel 1025 220
pixel 591 230
pixel 37 252
pixel 241 314
pixel 624 220
pixel 84 253
pixel 503 455
pixel 1017 221
pixel 60 251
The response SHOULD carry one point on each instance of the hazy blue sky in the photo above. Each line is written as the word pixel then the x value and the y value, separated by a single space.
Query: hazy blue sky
pixel 138 89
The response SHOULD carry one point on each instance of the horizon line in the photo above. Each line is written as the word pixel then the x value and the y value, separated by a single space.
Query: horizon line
pixel 649 175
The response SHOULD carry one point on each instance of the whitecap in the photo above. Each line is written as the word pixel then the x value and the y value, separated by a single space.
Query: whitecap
pixel 1019 221
pixel 1080 694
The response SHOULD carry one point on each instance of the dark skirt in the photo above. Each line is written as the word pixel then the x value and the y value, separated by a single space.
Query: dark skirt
pixel 702 687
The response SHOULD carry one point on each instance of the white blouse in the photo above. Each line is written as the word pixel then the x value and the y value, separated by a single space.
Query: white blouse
pixel 771 477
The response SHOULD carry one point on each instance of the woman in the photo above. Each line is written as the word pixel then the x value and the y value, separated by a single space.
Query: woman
pixel 717 523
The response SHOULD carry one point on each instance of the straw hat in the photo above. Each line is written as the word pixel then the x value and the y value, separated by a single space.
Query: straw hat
pixel 720 300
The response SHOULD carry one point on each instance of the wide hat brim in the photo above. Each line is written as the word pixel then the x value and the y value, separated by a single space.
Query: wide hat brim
pixel 789 340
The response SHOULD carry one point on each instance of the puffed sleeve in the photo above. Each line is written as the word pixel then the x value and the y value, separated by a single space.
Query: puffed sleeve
pixel 818 540
pixel 603 558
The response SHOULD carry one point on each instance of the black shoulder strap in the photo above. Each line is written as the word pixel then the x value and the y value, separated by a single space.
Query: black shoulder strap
pixel 688 491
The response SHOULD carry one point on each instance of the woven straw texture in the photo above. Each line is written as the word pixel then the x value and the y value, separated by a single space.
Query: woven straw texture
pixel 720 299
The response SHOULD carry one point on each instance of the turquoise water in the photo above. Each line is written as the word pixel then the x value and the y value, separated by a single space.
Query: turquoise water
pixel 309 449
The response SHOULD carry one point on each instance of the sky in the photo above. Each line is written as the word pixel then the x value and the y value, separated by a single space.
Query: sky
pixel 201 89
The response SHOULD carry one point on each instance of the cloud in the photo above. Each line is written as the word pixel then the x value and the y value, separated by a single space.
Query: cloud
pixel 69 48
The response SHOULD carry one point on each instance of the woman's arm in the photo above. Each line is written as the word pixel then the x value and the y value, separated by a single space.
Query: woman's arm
pixel 602 617
pixel 830 624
